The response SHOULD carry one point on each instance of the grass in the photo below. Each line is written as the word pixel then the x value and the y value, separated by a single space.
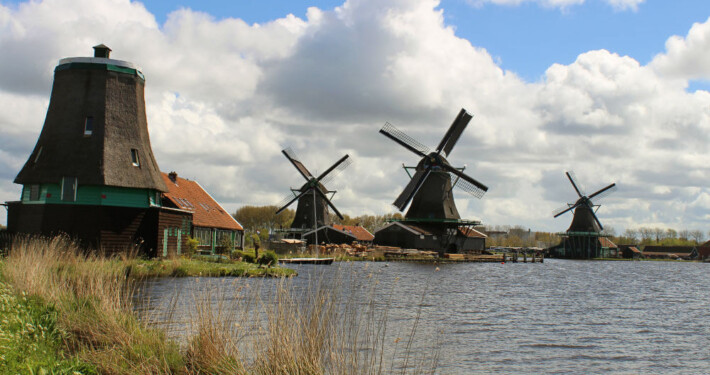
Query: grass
pixel 30 339
pixel 181 267
pixel 69 312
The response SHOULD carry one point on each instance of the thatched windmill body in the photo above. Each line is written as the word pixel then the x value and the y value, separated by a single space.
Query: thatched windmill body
pixel 432 220
pixel 582 238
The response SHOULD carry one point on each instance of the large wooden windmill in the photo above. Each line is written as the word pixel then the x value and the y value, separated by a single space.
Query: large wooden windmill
pixel 92 173
pixel 433 221
pixel 313 197
pixel 582 238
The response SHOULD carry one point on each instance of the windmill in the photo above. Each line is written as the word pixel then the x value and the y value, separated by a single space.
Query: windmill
pixel 582 236
pixel 313 197
pixel 430 189
pixel 432 221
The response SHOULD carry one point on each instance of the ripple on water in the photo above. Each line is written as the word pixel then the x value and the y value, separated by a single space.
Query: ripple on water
pixel 559 317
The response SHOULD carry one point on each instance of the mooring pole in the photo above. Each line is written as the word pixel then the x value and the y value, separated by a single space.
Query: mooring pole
pixel 315 220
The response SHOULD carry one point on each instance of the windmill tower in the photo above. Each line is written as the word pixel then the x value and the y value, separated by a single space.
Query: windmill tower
pixel 92 173
pixel 581 240
pixel 432 216
pixel 313 197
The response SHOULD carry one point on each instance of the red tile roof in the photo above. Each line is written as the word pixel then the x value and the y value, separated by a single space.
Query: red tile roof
pixel 359 232
pixel 470 232
pixel 605 242
pixel 206 212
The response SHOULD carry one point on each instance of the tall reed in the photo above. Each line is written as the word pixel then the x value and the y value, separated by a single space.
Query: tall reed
pixel 267 328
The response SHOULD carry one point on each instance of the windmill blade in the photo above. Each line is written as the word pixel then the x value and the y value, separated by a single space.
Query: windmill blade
pixel 563 209
pixel 293 158
pixel 412 187
pixel 601 227
pixel 329 203
pixel 604 192
pixel 288 200
pixel 577 187
pixel 406 141
pixel 454 133
pixel 336 168
pixel 466 186
pixel 467 183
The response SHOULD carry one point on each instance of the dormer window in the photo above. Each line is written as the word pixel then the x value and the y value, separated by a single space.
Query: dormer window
pixel 89 126
pixel 134 158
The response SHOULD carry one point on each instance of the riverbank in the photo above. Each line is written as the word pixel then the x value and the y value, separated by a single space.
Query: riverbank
pixel 91 302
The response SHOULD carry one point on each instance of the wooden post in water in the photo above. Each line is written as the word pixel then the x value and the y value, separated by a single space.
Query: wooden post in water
pixel 533 257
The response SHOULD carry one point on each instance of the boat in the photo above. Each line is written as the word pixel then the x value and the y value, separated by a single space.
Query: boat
pixel 307 260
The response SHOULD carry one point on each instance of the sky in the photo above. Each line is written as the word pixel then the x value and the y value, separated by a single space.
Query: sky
pixel 615 90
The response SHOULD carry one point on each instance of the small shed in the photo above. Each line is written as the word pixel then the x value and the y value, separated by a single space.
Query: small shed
pixel 329 234
pixel 629 252
pixel 211 224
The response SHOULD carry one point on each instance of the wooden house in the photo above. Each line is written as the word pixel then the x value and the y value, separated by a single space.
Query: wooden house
pixel 211 224
pixel 92 173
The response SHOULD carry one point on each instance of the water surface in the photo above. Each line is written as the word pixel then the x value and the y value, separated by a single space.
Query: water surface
pixel 561 316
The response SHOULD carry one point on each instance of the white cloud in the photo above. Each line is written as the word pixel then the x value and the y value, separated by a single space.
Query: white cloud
pixel 686 58
pixel 223 97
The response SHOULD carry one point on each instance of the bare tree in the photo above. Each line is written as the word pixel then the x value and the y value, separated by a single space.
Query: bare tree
pixel 696 235
pixel 631 234
pixel 684 234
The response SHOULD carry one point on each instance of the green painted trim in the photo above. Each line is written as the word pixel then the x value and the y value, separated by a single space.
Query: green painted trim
pixel 94 196
pixel 214 241
pixel 98 66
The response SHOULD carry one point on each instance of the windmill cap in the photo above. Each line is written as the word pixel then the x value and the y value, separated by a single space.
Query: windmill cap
pixel 101 56
pixel 102 50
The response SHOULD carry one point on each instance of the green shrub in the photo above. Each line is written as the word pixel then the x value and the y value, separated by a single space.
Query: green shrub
pixel 225 245
pixel 192 244
pixel 244 255
pixel 268 258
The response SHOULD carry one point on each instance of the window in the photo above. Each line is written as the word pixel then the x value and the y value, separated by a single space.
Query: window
pixel 69 189
pixel 204 236
pixel 89 125
pixel 34 192
pixel 134 158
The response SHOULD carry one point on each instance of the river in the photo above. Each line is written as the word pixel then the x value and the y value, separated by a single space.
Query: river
pixel 558 317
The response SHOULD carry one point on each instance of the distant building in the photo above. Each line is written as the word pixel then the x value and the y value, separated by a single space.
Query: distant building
pixel 92 173
pixel 629 252
pixel 361 234
pixel 409 236
pixel 670 252
pixel 211 224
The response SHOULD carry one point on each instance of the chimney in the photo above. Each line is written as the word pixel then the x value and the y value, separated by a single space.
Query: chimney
pixel 173 176
pixel 102 51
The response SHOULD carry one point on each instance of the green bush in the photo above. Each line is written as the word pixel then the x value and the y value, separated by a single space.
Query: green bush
pixel 268 258
pixel 192 244
pixel 246 257
pixel 225 245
